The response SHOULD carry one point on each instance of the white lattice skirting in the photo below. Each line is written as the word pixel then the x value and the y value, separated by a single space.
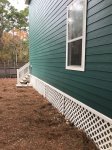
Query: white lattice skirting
pixel 97 126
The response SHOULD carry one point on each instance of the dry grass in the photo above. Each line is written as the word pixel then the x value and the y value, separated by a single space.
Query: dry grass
pixel 29 122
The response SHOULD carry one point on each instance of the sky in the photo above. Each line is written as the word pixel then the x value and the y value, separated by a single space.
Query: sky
pixel 18 4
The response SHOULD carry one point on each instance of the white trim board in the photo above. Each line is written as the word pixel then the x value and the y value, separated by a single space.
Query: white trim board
pixel 96 125
pixel 76 101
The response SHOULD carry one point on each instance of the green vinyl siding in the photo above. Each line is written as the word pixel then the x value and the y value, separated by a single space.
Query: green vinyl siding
pixel 93 87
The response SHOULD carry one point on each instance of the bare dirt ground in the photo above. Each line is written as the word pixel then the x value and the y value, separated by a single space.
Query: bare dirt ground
pixel 29 122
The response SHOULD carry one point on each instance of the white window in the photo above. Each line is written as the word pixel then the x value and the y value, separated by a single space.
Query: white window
pixel 76 35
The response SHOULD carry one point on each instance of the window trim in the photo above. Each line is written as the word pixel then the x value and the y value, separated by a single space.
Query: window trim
pixel 83 37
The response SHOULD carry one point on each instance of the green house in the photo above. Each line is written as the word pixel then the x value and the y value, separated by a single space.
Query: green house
pixel 71 61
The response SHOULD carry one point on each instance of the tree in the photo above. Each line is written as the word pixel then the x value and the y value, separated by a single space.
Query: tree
pixel 10 21
pixel 10 18
pixel 3 18
pixel 16 46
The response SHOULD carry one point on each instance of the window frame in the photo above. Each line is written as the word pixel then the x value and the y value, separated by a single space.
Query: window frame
pixel 83 37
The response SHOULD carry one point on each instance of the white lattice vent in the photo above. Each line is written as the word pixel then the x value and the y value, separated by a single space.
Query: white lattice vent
pixel 55 98
pixel 38 85
pixel 94 124
pixel 99 130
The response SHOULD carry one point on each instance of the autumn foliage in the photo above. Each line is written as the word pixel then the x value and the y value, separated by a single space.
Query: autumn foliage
pixel 13 33
pixel 15 46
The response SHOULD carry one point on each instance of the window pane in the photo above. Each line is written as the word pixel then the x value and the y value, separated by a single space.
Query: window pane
pixel 75 52
pixel 75 19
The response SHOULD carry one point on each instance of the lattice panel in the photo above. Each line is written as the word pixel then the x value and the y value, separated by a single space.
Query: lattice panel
pixel 98 129
pixel 55 98
pixel 40 86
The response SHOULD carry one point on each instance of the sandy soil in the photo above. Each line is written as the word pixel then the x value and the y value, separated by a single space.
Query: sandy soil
pixel 29 122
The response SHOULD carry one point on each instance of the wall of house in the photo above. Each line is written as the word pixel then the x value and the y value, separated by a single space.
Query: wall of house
pixel 48 51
